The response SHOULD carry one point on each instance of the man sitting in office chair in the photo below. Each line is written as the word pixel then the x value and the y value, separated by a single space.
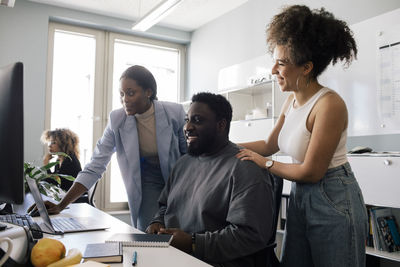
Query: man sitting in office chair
pixel 218 207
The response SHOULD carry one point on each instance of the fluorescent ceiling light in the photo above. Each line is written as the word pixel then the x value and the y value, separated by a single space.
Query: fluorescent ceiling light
pixel 155 15
pixel 9 3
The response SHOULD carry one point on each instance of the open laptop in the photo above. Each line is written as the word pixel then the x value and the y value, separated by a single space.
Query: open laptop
pixel 62 225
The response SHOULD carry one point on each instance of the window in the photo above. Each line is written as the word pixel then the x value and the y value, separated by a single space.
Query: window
pixel 163 62
pixel 83 86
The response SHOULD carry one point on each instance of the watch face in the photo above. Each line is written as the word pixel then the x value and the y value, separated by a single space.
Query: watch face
pixel 269 163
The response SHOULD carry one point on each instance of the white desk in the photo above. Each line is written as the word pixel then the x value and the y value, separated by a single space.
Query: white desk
pixel 147 256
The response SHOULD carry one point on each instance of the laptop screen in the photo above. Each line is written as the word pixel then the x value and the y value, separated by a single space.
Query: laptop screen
pixel 40 204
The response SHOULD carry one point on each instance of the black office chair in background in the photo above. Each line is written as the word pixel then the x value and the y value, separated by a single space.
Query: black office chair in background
pixel 267 256
pixel 277 185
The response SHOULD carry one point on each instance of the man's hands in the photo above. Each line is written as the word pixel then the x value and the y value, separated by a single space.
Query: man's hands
pixel 181 240
pixel 154 228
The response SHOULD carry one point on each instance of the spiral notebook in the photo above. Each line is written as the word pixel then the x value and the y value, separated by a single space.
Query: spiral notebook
pixel 141 240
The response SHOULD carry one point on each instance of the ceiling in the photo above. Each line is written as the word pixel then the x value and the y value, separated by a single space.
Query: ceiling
pixel 189 15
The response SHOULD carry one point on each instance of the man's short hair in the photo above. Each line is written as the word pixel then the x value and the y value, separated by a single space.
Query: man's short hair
pixel 218 104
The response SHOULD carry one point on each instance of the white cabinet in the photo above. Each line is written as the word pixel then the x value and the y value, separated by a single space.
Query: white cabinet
pixel 255 98
pixel 255 110
pixel 250 130
pixel 379 178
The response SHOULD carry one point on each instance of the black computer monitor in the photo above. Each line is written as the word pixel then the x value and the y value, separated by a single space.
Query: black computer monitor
pixel 11 134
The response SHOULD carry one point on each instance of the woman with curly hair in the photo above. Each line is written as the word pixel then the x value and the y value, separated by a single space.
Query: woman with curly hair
pixel 63 140
pixel 326 220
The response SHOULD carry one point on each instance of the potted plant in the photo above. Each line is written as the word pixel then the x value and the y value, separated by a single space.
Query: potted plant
pixel 40 174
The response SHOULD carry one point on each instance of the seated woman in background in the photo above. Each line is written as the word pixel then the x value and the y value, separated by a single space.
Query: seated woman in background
pixel 63 140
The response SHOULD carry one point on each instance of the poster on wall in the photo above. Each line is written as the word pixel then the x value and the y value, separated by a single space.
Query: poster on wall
pixel 388 89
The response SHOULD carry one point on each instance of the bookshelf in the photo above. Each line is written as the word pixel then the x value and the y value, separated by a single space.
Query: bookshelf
pixel 393 256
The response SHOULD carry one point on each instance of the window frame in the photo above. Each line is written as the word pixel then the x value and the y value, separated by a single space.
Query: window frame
pixel 103 89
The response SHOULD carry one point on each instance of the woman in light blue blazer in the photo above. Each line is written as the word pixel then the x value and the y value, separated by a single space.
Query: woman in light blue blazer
pixel 148 137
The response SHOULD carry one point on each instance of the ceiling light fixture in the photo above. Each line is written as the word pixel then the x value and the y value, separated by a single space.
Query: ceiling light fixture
pixel 9 3
pixel 155 15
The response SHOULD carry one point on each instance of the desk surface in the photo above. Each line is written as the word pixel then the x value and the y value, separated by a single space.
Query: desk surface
pixel 147 256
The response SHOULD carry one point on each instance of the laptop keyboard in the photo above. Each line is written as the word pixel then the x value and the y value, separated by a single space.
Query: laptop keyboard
pixel 23 220
pixel 66 224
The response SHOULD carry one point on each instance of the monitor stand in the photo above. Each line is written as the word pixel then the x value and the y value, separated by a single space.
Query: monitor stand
pixel 5 208
pixel 22 208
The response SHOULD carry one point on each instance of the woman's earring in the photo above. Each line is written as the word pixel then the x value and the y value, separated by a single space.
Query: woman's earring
pixel 297 83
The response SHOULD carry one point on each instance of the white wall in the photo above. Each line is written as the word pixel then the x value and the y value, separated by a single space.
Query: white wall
pixel 23 37
pixel 240 35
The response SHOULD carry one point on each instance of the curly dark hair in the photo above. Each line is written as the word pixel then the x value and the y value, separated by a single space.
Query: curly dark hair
pixel 67 140
pixel 218 104
pixel 143 77
pixel 312 35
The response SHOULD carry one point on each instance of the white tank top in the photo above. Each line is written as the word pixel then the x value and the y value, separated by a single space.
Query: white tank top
pixel 294 136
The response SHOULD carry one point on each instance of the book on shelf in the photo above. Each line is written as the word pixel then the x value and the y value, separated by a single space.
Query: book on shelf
pixel 370 237
pixel 103 252
pixel 377 212
pixel 394 229
pixel 141 240
pixel 385 230
pixel 375 238
pixel 389 230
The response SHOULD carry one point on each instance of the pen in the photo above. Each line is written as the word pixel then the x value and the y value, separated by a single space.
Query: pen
pixel 134 258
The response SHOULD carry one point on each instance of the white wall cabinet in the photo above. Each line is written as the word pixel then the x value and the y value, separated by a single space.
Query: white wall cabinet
pixel 255 110
pixel 379 178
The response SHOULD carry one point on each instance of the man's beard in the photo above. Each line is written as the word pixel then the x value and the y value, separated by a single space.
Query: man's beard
pixel 205 145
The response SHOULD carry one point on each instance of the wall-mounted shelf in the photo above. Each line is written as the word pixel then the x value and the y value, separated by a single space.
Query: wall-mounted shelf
pixel 255 110
pixel 393 256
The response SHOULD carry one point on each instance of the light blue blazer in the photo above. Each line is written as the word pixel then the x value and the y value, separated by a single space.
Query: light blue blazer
pixel 121 136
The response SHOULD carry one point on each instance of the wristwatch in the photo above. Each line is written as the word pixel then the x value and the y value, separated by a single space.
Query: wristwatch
pixel 269 163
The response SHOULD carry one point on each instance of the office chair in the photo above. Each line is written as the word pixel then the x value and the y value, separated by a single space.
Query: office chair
pixel 267 257
pixel 277 190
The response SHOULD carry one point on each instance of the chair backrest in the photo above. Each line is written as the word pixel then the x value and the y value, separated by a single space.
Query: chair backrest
pixel 91 192
pixel 277 186
pixel 277 191
pixel 267 257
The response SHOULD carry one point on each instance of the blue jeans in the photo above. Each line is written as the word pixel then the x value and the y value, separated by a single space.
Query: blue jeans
pixel 327 222
pixel 152 185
